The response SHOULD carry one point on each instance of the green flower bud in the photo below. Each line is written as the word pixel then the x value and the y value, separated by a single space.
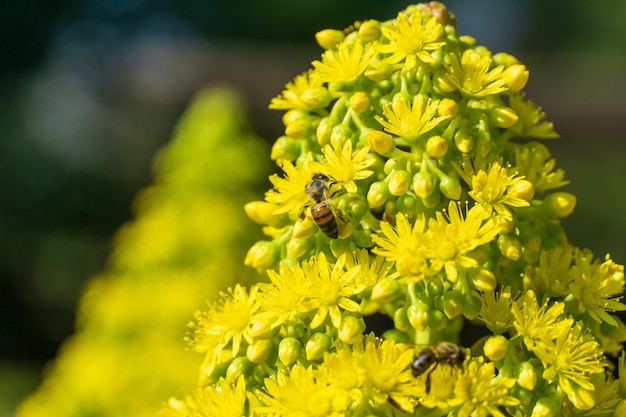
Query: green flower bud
pixel 259 373
pixel 382 143
pixel 447 107
pixel 464 140
pixel 436 146
pixel 359 102
pixel 484 280
pixel 294 116
pixel 378 71
pixel 472 307
pixel 504 117
pixel 496 347
pixel 505 59
pixel 418 315
pixel 523 189
pixel 525 396
pixel 559 205
pixel 510 246
pixel 407 204
pixel 300 129
pixel 239 366
pixel 396 335
pixel 289 350
pixel 351 329
pixel 398 183
pixel 329 38
pixel 423 184
pixel 545 407
pixel 386 290
pixel 450 187
pixel 317 97
pixel 264 213
pixel 377 194
pixel 285 148
pixel 437 320
pixel 401 320
pixel 433 199
pixel 453 303
pixel 259 351
pixel 318 344
pixel 515 77
pixel 339 135
pixel 262 255
pixel 391 164
pixel 526 375
pixel 324 129
pixel 261 329
pixel 296 247
pixel 369 30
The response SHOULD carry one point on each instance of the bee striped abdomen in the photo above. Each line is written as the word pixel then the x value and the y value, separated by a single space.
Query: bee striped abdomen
pixel 325 219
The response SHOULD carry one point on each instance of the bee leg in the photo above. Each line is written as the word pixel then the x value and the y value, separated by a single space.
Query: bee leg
pixel 395 404
pixel 427 381
pixel 302 212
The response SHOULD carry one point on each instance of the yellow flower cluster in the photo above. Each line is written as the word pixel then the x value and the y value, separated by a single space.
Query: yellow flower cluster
pixel 413 189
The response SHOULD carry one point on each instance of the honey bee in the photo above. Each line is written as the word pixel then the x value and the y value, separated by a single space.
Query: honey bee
pixel 444 353
pixel 323 212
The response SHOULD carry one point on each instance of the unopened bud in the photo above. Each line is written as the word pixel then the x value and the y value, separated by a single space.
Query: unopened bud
pixel 386 290
pixel 378 71
pixel 515 77
pixel 464 140
pixel 496 347
pixel 399 182
pixel 259 351
pixel 453 303
pixel 324 129
pixel 239 366
pixel 526 375
pixel 265 213
pixel 299 129
pixel 450 187
pixel 262 329
pixel 318 344
pixel 510 246
pixel 359 102
pixel 285 148
pixel 423 184
pixel 442 83
pixel 289 350
pixel 351 329
pixel 436 146
pixel 523 189
pixel 418 315
pixel 545 407
pixel 317 97
pixel 369 30
pixel 448 107
pixel 382 143
pixel 559 205
pixel 377 194
pixel 329 38
pixel 303 229
pixel 262 255
pixel 296 248
pixel 484 280
pixel 504 117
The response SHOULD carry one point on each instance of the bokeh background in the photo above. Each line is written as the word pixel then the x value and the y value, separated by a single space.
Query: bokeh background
pixel 90 89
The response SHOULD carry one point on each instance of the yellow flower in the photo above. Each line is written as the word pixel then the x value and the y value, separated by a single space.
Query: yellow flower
pixel 472 75
pixel 224 400
pixel 412 39
pixel 495 310
pixel 345 166
pixel 596 287
pixel 479 392
pixel 571 358
pixel 300 393
pixel 410 121
pixel 280 298
pixel 531 121
pixel 330 288
pixel 400 245
pixel 451 237
pixel 227 321
pixel 344 64
pixel 536 164
pixel 495 189
pixel 289 193
pixel 295 91
pixel 535 323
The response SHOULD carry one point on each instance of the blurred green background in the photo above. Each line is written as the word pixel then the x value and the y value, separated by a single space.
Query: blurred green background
pixel 92 88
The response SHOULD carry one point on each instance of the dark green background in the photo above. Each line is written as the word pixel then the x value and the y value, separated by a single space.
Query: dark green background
pixel 90 89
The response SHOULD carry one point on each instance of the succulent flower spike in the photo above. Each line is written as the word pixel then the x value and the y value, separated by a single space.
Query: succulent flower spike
pixel 413 186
